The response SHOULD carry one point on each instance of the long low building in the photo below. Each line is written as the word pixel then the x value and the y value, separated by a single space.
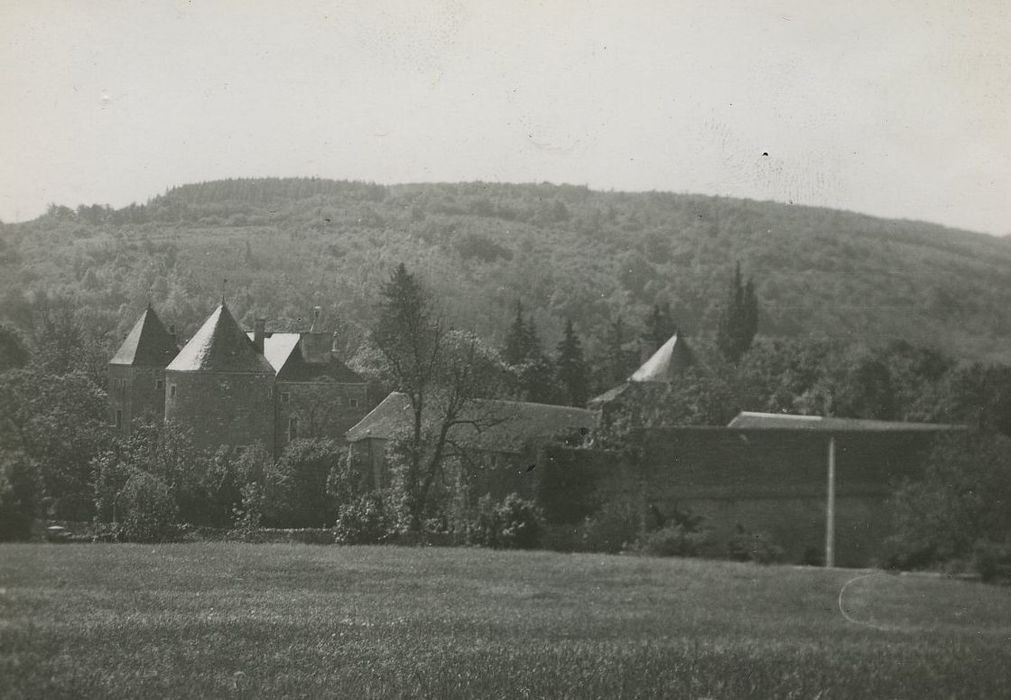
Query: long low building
pixel 499 440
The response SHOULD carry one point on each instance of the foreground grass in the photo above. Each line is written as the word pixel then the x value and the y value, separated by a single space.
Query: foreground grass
pixel 233 620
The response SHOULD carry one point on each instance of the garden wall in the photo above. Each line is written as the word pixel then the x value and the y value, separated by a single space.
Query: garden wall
pixel 763 481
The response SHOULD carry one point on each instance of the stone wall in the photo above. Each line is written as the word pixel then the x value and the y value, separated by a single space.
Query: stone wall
pixel 222 408
pixel 135 393
pixel 322 408
pixel 763 481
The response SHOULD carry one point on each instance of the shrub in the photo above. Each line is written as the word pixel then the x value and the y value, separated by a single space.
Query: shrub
pixel 19 492
pixel 308 464
pixel 753 546
pixel 521 523
pixel 962 499
pixel 612 529
pixel 992 560
pixel 248 515
pixel 364 521
pixel 149 511
pixel 515 523
pixel 674 540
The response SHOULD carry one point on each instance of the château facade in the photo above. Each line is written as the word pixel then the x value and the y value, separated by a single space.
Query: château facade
pixel 233 387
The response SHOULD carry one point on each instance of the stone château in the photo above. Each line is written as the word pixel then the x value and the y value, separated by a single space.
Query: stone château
pixel 233 387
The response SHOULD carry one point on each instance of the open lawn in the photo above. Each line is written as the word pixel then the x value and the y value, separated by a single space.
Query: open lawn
pixel 236 620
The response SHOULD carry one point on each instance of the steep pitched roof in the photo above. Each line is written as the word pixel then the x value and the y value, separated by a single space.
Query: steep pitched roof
pixel 502 426
pixel 296 369
pixel 748 420
pixel 663 366
pixel 277 347
pixel 666 363
pixel 220 346
pixel 147 344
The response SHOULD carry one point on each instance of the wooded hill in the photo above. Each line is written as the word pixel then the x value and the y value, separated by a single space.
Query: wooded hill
pixel 565 252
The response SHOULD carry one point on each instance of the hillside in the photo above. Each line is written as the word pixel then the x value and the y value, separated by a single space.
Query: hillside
pixel 285 245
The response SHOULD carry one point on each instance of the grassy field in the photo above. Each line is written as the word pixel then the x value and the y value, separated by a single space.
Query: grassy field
pixel 234 620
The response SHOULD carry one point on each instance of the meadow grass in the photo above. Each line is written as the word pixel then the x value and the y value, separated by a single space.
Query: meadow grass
pixel 238 620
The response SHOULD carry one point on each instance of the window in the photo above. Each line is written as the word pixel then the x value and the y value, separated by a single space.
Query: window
pixel 285 397
pixel 172 391
pixel 159 384
pixel 353 403
pixel 119 419
pixel 292 428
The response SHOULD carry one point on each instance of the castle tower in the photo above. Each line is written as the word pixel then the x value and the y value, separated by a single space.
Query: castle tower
pixel 137 373
pixel 220 387
pixel 640 399
pixel 667 363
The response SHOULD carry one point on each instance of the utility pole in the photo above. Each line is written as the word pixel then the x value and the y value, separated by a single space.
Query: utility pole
pixel 830 506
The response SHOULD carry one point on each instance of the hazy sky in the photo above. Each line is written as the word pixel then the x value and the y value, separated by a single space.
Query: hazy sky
pixel 892 108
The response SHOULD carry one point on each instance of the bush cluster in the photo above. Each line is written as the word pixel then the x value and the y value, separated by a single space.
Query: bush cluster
pixel 753 546
pixel 674 540
pixel 149 510
pixel 513 523
pixel 366 520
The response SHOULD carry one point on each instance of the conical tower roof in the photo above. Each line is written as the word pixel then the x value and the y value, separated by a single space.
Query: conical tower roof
pixel 666 363
pixel 220 346
pixel 148 344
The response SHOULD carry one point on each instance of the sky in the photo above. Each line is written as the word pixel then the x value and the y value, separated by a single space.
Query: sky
pixel 897 109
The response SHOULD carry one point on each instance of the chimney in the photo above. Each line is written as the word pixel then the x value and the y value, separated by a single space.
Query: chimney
pixel 259 330
pixel 172 333
pixel 314 328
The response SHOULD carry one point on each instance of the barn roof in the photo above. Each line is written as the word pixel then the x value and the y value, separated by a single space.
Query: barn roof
pixel 147 344
pixel 220 346
pixel 748 420
pixel 497 426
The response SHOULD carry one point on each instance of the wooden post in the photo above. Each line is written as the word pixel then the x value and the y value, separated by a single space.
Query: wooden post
pixel 830 506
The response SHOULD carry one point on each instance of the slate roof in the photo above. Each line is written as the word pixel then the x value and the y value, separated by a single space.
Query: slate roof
pixel 506 426
pixel 748 420
pixel 148 344
pixel 296 369
pixel 666 363
pixel 277 347
pixel 220 346
pixel 284 355
pixel 663 366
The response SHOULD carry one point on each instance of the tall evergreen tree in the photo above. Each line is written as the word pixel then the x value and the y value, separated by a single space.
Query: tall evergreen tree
pixel 571 368
pixel 535 380
pixel 619 362
pixel 660 326
pixel 519 340
pixel 738 322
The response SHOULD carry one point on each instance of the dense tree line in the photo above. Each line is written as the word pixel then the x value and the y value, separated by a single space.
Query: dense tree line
pixel 56 445
pixel 568 288
pixel 567 253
